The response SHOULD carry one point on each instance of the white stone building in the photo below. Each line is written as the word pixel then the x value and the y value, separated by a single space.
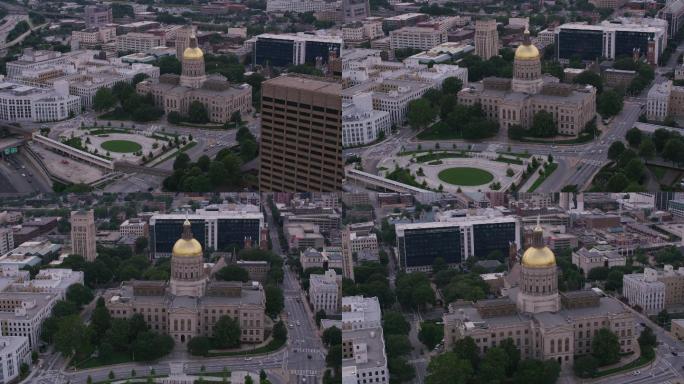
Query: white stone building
pixel 644 290
pixel 422 38
pixel 14 351
pixel 134 227
pixel 361 124
pixel 23 313
pixel 360 312
pixel 138 42
pixel 658 101
pixel 324 291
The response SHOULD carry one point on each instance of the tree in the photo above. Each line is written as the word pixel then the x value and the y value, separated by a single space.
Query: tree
pixel 420 113
pixel 332 336
pixel 493 366
pixel 279 331
pixel 590 78
pixel 452 85
pixel 217 173
pixel 79 294
pixel 199 346
pixel 136 326
pixel 150 346
pixel 73 337
pixel 467 349
pixel 616 150
pixel 647 148
pixel 447 368
pixel 614 280
pixel 598 274
pixel 320 315
pixel 64 308
pixel 400 370
pixel 117 335
pixel 138 78
pixel 634 170
pixel 663 318
pixel 182 161
pixel 513 354
pixel 274 300
pixel 531 371
pixel 647 338
pixel 605 347
pixel 397 345
pixel 430 334
pixel 232 273
pixel 197 113
pixel 634 137
pixel 227 333
pixel 141 244
pixel 543 125
pixel 104 99
pixel 617 183
pixel 334 357
pixel 394 323
pixel 169 64
pixel 585 366
pixel 100 320
pixel 609 103
pixel 674 150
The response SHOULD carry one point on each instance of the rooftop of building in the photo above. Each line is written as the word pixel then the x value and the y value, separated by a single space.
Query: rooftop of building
pixel 32 304
pixel 305 83
pixel 375 347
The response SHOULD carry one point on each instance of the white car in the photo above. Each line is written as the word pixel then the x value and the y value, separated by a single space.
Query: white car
pixel 248 359
pixel 636 373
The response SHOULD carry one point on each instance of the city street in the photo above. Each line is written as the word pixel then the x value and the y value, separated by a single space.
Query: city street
pixel 305 352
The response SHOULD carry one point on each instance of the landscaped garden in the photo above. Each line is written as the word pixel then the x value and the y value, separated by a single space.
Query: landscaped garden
pixel 465 176
pixel 121 146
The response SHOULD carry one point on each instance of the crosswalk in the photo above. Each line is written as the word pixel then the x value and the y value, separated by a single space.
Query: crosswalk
pixel 308 350
pixel 304 372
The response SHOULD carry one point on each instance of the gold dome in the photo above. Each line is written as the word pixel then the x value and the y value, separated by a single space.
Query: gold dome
pixel 526 50
pixel 193 53
pixel 538 257
pixel 187 246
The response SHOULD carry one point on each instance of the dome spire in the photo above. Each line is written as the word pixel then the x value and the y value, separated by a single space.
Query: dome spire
pixel 538 235
pixel 187 230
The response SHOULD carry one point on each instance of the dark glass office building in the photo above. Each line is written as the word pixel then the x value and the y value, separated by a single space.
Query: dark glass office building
pixel 214 230
pixel 286 50
pixel 579 43
pixel 274 52
pixel 320 49
pixel 419 247
pixel 627 41
pixel 232 232
pixel 165 232
pixel 420 244
pixel 491 237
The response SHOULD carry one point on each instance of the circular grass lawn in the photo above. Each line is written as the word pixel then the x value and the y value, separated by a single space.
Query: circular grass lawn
pixel 465 176
pixel 121 146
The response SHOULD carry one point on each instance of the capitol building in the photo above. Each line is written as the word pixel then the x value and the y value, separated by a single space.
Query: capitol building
pixel 514 102
pixel 174 93
pixel 191 302
pixel 542 322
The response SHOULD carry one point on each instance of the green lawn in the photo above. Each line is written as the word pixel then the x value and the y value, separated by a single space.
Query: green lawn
pixel 439 131
pixel 121 146
pixel 465 176
pixel 547 172
pixel 274 345
pixel 438 155
pixel 116 358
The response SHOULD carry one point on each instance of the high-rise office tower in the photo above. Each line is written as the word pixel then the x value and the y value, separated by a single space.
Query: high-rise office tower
pixel 355 10
pixel 83 234
pixel 301 135
pixel 97 15
pixel 183 39
pixel 486 39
